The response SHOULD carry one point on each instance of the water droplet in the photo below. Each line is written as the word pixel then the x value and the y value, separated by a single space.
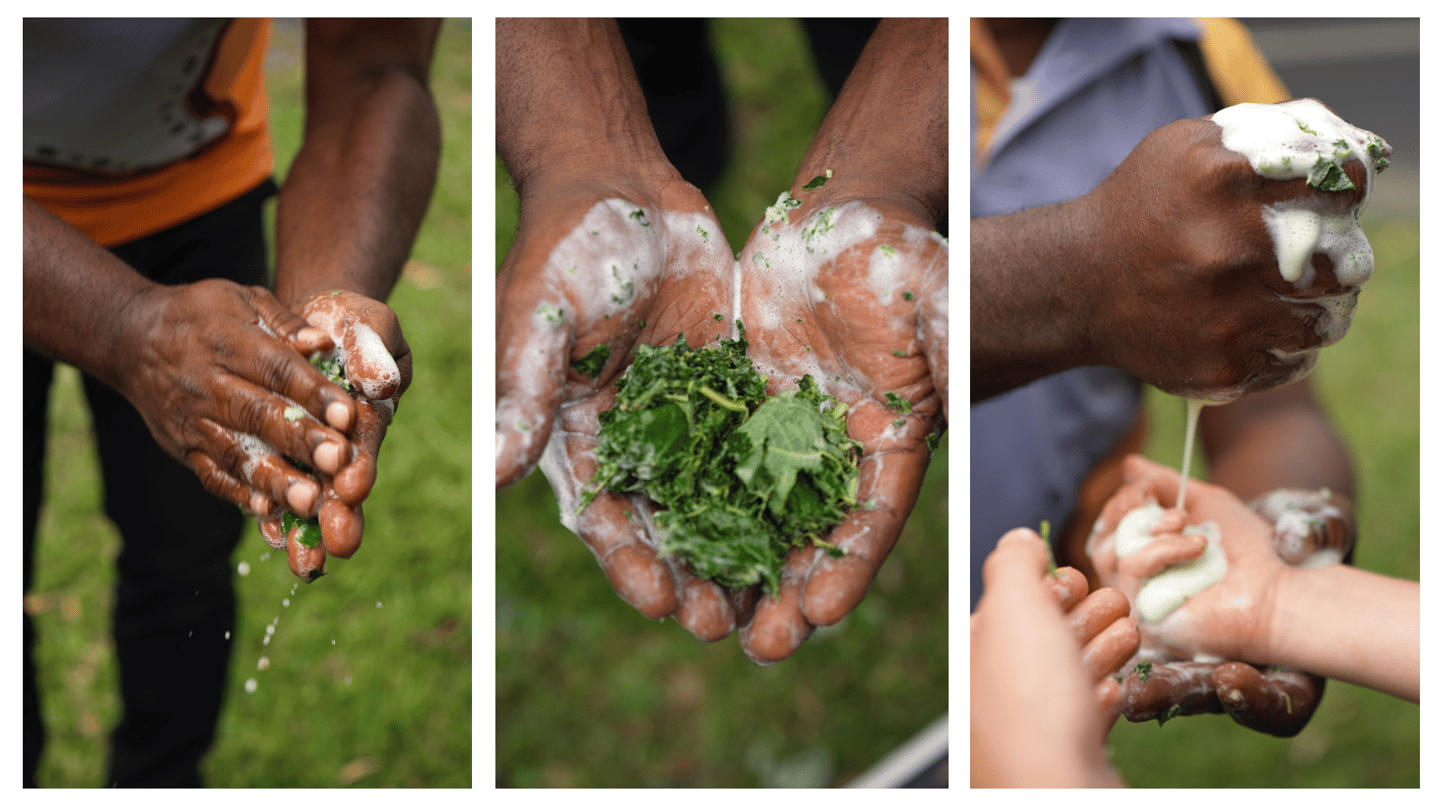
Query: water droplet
pixel 243 568
pixel 285 603
pixel 251 684
pixel 264 663
pixel 379 605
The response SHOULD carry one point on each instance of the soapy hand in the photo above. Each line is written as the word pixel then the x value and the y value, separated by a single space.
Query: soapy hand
pixel 852 292
pixel 1251 274
pixel 213 369
pixel 596 269
pixel 1228 620
pixel 371 346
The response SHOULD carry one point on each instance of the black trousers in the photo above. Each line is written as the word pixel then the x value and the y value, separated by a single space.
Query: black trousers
pixel 175 598
pixel 678 74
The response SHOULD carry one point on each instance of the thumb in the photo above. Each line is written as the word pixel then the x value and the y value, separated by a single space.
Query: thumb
pixel 529 386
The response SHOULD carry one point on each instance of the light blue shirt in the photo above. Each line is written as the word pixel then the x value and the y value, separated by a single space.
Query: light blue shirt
pixel 1096 88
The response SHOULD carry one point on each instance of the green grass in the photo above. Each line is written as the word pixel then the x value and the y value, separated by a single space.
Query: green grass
pixel 1370 386
pixel 370 675
pixel 590 693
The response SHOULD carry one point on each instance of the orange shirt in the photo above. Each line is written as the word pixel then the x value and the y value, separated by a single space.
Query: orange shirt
pixel 191 134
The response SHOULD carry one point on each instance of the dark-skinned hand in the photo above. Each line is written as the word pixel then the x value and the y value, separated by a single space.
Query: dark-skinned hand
pixel 1181 224
pixel 368 337
pixel 213 367
pixel 616 264
pixel 852 292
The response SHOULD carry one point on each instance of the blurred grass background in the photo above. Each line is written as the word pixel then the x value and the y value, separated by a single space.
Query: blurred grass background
pixel 369 682
pixel 1370 386
pixel 590 693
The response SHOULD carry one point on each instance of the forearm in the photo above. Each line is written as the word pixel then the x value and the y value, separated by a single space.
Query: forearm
pixel 1352 625
pixel 358 189
pixel 1029 316
pixel 75 295
pixel 567 101
pixel 1276 439
pixel 887 135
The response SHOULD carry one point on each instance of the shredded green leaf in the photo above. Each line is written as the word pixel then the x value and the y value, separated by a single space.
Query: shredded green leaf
pixel 592 363
pixel 742 478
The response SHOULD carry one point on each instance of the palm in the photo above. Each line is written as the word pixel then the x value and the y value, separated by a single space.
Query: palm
pixel 854 296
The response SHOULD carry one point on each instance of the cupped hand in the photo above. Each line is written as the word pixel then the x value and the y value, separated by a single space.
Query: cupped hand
pixel 597 268
pixel 213 369
pixel 1184 226
pixel 1229 620
pixel 368 339
pixel 852 292
pixel 1042 652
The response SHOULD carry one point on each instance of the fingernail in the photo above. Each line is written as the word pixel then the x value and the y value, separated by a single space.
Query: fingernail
pixel 302 495
pixel 309 334
pixel 327 457
pixel 338 415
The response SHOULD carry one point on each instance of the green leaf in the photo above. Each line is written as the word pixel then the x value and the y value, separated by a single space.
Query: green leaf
pixel 592 363
pixel 741 478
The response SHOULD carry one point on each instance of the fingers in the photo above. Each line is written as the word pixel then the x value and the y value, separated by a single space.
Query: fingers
pixel 1278 702
pixel 1100 623
pixel 779 624
pixel 308 563
pixel 616 534
pixel 239 466
pixel 890 480
pixel 1163 691
pixel 705 609
pixel 288 372
pixel 1311 527
pixel 1117 642
pixel 353 483
pixel 1163 551
pixel 341 527
pixel 530 382
pixel 368 335
pixel 1069 586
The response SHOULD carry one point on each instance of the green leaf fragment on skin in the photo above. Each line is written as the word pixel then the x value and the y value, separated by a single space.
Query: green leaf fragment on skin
pixel 897 403
pixel 780 211
pixel 741 478
pixel 1049 551
pixel 593 362
pixel 553 315
pixel 818 181
pixel 309 533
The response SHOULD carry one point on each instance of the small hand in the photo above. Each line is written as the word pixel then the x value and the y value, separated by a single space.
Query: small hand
pixel 1041 653
pixel 1227 621
pixel 853 293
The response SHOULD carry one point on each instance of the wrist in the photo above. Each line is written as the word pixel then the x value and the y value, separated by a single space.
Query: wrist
pixel 1030 312
pixel 568 101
